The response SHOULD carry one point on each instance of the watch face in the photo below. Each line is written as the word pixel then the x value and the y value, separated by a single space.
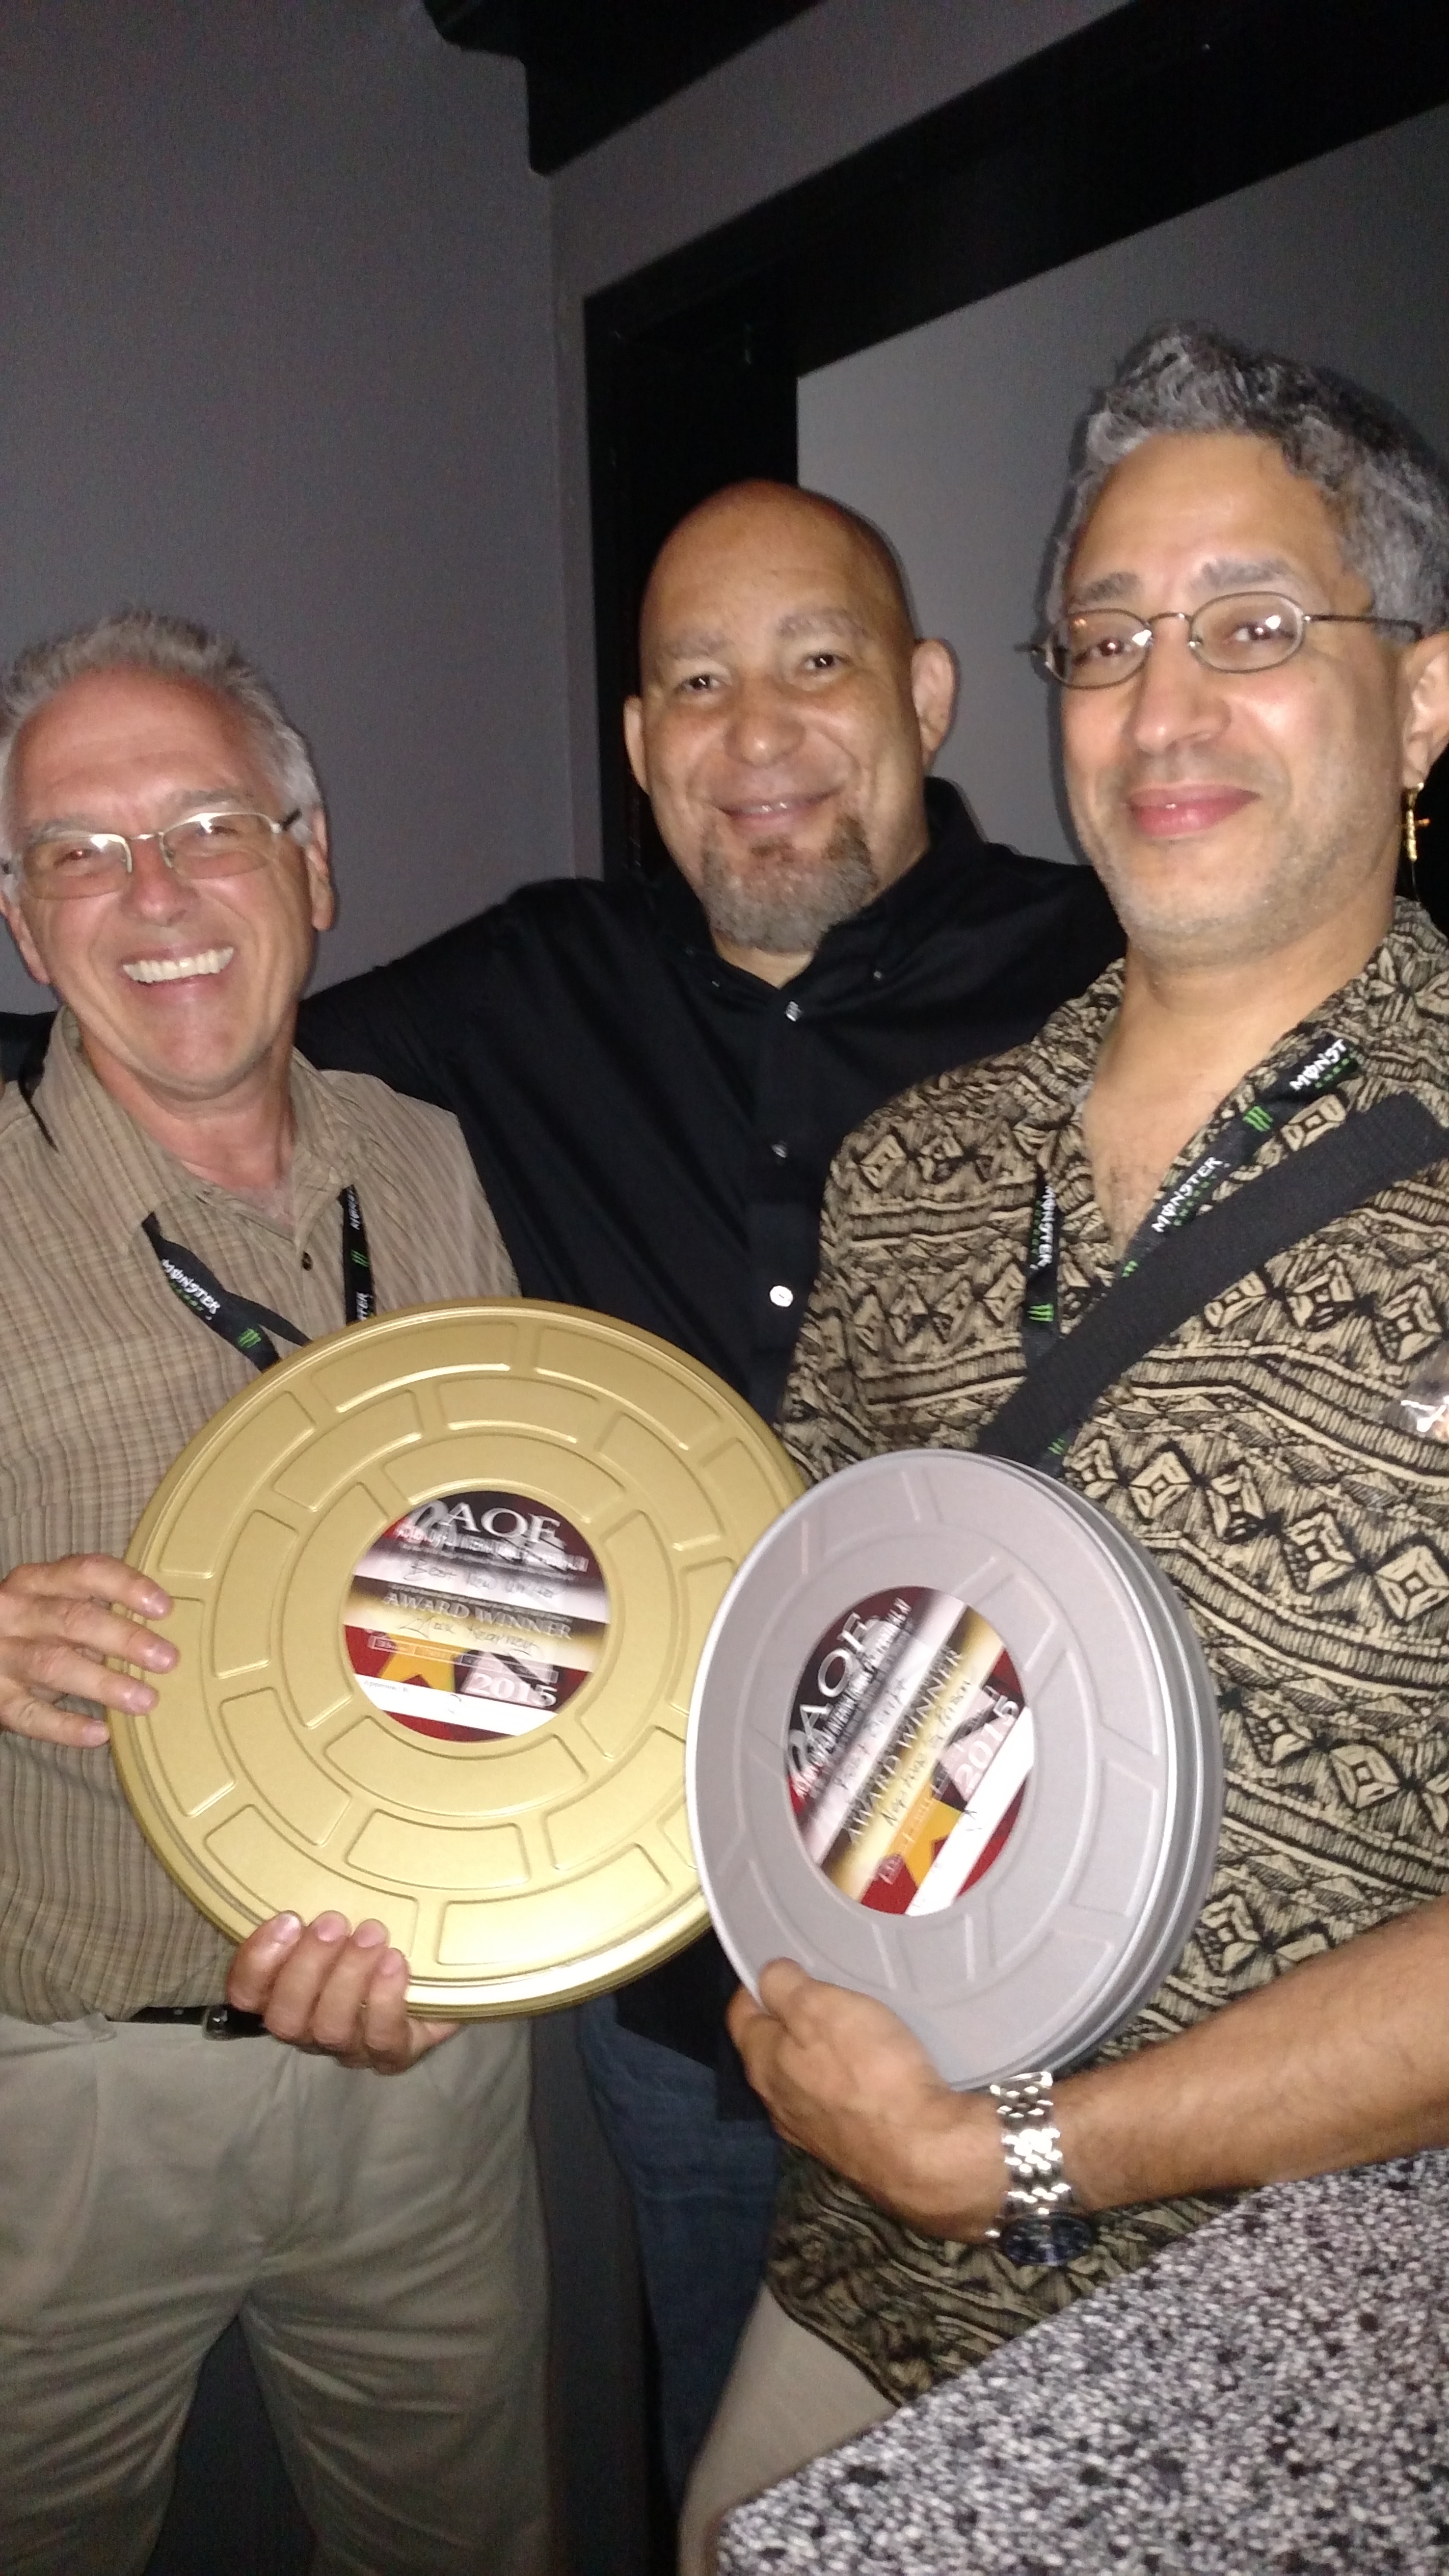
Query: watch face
pixel 1047 2242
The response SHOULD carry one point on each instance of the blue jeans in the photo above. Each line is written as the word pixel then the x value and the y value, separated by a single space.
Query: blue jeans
pixel 703 2191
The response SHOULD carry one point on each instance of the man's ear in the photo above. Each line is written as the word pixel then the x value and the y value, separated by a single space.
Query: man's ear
pixel 933 694
pixel 20 932
pixel 634 741
pixel 1426 714
pixel 320 888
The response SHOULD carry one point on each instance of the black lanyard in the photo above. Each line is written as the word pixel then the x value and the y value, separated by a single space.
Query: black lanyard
pixel 1227 1150
pixel 239 1320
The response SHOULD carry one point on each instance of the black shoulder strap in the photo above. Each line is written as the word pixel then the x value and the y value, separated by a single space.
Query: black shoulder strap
pixel 1351 1164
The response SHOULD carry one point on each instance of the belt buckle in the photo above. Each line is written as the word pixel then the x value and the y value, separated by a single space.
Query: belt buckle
pixel 222 2021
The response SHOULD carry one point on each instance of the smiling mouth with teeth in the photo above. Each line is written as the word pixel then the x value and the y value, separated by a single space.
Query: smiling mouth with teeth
pixel 176 970
pixel 760 805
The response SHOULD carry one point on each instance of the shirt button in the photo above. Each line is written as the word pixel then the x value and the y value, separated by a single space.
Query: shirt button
pixel 792 1010
pixel 780 1150
pixel 306 1260
pixel 780 1295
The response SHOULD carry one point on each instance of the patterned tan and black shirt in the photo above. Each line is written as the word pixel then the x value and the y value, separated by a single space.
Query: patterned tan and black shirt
pixel 1260 1454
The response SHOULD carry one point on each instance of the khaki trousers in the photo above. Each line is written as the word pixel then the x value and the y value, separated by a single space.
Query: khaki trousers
pixel 379 2236
pixel 788 2398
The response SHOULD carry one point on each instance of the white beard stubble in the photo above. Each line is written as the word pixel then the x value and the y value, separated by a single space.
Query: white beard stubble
pixel 781 901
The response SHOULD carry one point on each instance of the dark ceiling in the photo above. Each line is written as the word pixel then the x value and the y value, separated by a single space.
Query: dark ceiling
pixel 594 65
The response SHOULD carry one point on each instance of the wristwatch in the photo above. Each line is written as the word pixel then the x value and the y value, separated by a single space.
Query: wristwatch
pixel 1039 2220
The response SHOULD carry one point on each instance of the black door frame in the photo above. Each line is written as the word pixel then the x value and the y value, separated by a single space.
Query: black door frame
pixel 694 361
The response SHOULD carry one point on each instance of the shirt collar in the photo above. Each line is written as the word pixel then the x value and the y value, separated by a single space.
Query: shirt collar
pixel 1394 1015
pixel 121 1175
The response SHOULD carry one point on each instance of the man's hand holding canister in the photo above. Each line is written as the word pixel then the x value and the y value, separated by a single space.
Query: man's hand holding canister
pixel 333 1991
pixel 64 1627
pixel 76 1630
pixel 843 2078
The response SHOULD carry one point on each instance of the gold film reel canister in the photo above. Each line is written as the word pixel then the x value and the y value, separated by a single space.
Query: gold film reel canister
pixel 441 1584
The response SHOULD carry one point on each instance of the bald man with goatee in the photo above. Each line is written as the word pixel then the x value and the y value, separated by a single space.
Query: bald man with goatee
pixel 653 1076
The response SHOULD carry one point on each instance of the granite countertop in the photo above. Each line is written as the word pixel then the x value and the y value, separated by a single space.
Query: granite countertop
pixel 1269 2395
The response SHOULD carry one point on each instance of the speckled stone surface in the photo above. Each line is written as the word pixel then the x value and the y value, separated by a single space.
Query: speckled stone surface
pixel 1271 2395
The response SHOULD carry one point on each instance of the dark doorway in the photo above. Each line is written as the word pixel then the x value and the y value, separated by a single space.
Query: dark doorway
pixel 1160 107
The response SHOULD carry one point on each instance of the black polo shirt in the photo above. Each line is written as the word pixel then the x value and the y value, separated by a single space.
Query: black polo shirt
pixel 654 1127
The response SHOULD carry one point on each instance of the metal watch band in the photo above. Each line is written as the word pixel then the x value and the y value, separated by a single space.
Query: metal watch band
pixel 1039 2220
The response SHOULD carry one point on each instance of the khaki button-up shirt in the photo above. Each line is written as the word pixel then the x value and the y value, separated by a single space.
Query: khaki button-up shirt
pixel 104 1378
pixel 1260 1453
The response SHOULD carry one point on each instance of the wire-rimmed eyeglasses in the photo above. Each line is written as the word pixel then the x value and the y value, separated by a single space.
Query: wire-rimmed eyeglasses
pixel 1242 632
pixel 220 842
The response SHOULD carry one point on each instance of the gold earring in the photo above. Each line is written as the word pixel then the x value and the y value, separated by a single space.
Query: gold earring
pixel 1414 824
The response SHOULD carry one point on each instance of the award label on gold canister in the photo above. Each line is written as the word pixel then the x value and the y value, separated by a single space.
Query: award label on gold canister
pixel 441 1584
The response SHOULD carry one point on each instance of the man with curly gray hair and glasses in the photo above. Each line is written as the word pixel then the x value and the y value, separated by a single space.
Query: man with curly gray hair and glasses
pixel 189 2134
pixel 1249 626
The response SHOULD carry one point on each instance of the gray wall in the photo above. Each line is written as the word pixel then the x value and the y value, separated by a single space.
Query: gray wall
pixel 954 438
pixel 293 341
pixel 275 323
pixel 834 80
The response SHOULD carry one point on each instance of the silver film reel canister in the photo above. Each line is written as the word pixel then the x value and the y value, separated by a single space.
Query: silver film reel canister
pixel 954 1744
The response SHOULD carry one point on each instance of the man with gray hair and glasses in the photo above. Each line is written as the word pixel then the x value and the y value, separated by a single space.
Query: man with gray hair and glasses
pixel 188 2135
pixel 1248 625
